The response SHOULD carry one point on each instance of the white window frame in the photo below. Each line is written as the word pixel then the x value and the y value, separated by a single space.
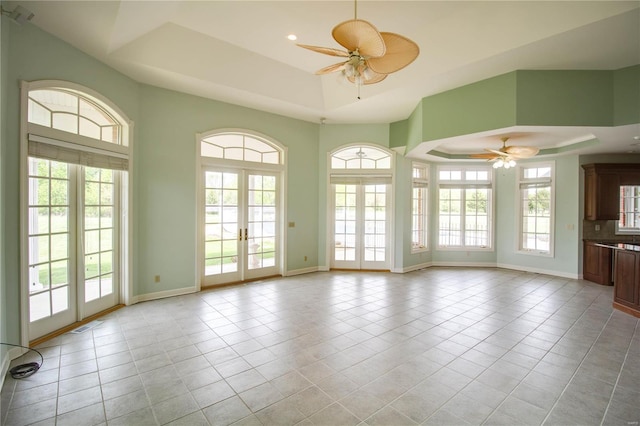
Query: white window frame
pixel 627 230
pixel 382 171
pixel 464 184
pixel 63 140
pixel 421 184
pixel 219 162
pixel 520 185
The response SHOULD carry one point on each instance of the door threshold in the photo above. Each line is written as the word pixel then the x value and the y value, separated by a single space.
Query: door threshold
pixel 68 328
pixel 360 270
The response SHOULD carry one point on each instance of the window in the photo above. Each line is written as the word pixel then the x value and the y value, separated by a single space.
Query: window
pixel 629 222
pixel 361 157
pixel 73 112
pixel 237 146
pixel 240 230
pixel 464 207
pixel 536 208
pixel 75 245
pixel 361 198
pixel 420 190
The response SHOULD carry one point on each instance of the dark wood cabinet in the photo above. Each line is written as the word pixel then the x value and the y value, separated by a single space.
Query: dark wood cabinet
pixel 626 294
pixel 597 262
pixel 602 188
pixel 602 193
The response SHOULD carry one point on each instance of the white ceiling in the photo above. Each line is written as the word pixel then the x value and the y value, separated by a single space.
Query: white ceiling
pixel 238 52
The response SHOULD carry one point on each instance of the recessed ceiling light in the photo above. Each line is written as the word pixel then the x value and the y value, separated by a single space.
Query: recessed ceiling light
pixel 292 37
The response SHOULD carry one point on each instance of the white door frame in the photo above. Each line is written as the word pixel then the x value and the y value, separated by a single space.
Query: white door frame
pixel 126 185
pixel 209 163
pixel 360 175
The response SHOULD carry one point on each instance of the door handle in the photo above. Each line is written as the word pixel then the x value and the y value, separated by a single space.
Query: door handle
pixel 240 235
pixel 245 234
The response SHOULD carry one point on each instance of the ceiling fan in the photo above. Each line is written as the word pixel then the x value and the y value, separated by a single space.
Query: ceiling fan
pixel 506 156
pixel 371 55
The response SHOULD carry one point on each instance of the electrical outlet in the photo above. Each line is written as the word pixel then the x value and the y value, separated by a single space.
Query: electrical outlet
pixel 305 258
pixel 597 227
pixel 157 278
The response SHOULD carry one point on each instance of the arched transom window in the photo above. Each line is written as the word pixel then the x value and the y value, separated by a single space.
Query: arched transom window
pixel 66 110
pixel 360 157
pixel 241 147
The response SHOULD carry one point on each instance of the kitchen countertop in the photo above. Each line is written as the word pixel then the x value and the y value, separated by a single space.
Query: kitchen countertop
pixel 620 246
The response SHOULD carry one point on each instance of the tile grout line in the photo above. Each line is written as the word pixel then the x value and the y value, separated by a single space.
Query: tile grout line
pixel 555 404
pixel 615 386
pixel 547 352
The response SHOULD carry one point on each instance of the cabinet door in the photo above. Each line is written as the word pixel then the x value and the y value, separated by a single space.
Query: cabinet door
pixel 625 280
pixel 608 198
pixel 597 264
pixel 590 194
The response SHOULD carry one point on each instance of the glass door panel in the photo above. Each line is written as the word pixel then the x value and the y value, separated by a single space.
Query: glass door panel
pixel 345 226
pixel 375 226
pixel 72 228
pixel 240 226
pixel 222 233
pixel 360 227
pixel 261 238
pixel 51 294
pixel 98 272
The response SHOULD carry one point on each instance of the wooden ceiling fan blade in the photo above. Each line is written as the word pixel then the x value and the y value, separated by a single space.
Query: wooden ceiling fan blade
pixel 522 151
pixel 331 68
pixel 356 34
pixel 401 51
pixel 500 153
pixel 326 50
pixel 486 156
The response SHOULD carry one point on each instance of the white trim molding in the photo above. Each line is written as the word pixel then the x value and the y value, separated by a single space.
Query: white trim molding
pixel 163 294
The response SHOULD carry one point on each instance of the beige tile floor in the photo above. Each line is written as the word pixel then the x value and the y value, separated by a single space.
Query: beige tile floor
pixel 439 346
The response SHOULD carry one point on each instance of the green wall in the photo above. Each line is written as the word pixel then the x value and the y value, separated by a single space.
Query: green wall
pixel 166 182
pixel 564 98
pixel 567 236
pixel 164 189
pixel 626 96
pixel 164 146
pixel 487 104
pixel 32 54
pixel 525 98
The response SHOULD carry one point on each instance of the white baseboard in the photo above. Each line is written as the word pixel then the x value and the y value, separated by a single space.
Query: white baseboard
pixel 163 294
pixel 488 265
pixel 539 271
pixel 465 264
pixel 323 269
pixel 301 271
pixel 11 354
pixel 411 268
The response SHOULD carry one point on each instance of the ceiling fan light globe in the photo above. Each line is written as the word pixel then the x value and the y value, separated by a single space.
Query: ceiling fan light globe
pixel 498 164
pixel 349 71
pixel 512 163
pixel 367 73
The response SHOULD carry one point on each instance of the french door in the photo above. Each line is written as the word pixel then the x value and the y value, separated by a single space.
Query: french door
pixel 241 225
pixel 360 226
pixel 72 241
